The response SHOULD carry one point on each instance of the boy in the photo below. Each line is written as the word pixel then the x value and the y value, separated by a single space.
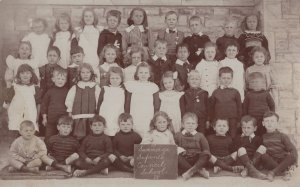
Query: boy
pixel 194 146
pixel 111 35
pixel 249 148
pixel 123 143
pixel 195 41
pixel 53 103
pixel 230 30
pixel 77 56
pixel 224 98
pixel 280 152
pixel 94 150
pixel 159 62
pixel 171 34
pixel 258 101
pixel 238 80
pixel 195 100
pixel 221 148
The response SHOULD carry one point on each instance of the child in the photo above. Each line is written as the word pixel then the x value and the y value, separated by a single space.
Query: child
pixel 46 71
pixel 171 34
pixel 258 101
pixel 195 41
pixel 221 148
pixel 169 97
pixel 77 56
pixel 111 100
pixel 229 27
pixel 195 100
pixel 182 65
pixel 159 62
pixel 249 148
pixel 136 56
pixel 108 56
pixel 53 102
pixel 238 80
pixel 209 68
pixel 224 98
pixel 81 101
pixel 196 150
pixel 111 35
pixel 251 37
pixel 62 37
pixel 142 99
pixel 123 143
pixel 138 32
pixel 281 153
pixel 95 150
pixel 39 40
pixel 161 130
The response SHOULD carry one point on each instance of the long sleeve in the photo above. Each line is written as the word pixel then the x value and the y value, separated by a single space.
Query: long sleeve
pixel 245 105
pixel 206 105
pixel 147 139
pixel 108 148
pixel 14 151
pixel 271 102
pixel 127 101
pixel 81 150
pixel 115 146
pixel 45 103
pixel 101 43
pixel 289 146
pixel 38 95
pixel 182 105
pixel 125 38
pixel 151 40
pixel 156 101
pixel 8 94
pixel 212 102
pixel 41 147
pixel 273 78
pixel 100 100
pixel 204 144
pixel 238 105
pixel 70 99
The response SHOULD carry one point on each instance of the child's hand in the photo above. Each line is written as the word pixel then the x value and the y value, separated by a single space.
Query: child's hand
pixel 88 160
pixel 96 160
pixel 116 44
pixel 44 122
pixel 124 158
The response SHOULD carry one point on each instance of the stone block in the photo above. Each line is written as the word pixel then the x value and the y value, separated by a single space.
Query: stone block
pixel 286 117
pixel 243 11
pixel 160 2
pixel 152 10
pixel 76 14
pixel 214 21
pixel 294 42
pixel 296 79
pixel 287 57
pixel 125 2
pixel 281 24
pixel 156 22
pixel 164 10
pixel 219 2
pixel 221 11
pixel 204 11
pixel 99 12
pixel 273 10
pixel 44 11
pixel 23 17
pixel 59 10
pixel 187 11
pixel 183 20
pixel 289 103
pixel 284 78
pixel 281 45
pixel 294 7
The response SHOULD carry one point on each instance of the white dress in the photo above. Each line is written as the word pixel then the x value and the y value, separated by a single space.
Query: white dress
pixel 40 44
pixel 22 107
pixel 170 105
pixel 141 105
pixel 63 42
pixel 111 107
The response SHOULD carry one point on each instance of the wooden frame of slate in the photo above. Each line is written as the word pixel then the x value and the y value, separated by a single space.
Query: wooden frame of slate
pixel 153 161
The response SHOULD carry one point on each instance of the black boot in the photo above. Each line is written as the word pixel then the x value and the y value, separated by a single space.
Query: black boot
pixel 122 166
pixel 252 171
pixel 256 158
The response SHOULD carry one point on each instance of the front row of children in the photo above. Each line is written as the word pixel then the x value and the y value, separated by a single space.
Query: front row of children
pixel 274 151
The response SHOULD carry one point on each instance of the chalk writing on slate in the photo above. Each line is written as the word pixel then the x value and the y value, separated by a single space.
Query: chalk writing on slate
pixel 155 161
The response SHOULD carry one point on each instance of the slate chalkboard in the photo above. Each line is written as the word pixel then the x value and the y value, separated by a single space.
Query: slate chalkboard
pixel 155 161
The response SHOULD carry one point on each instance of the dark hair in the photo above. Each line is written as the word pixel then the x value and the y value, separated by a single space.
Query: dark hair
pixel 160 41
pixel 189 115
pixel 116 70
pixel 232 43
pixel 98 118
pixel 66 17
pixel 145 21
pixel 210 44
pixel 54 48
pixel 143 65
pixel 177 84
pixel 225 70
pixel 102 53
pixel 219 119
pixel 26 123
pixel 247 119
pixel 23 68
pixel 270 114
pixel 262 50
pixel 182 45
pixel 26 43
pixel 89 67
pixel 44 22
pixel 135 49
pixel 76 49
pixel 82 23
pixel 114 13
pixel 124 117
pixel 65 120
pixel 194 17
pixel 244 26
pixel 60 71
pixel 164 115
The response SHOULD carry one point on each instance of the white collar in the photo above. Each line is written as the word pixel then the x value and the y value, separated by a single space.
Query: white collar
pixel 82 84
pixel 252 32
pixel 199 33
pixel 168 30
pixel 251 135
pixel 73 65
pixel 180 62
pixel 131 27
pixel 105 66
pixel 223 87
pixel 184 132
pixel 155 57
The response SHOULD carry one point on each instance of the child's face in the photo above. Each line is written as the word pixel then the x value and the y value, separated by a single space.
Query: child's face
pixel 64 129
pixel 110 55
pixel 88 18
pixel 143 74
pixel 59 80
pixel 161 123
pixel 171 21
pixel 183 54
pixel 115 79
pixel 210 53
pixel 85 74
pixel 168 83
pixel 126 126
pixel 64 25
pixel 189 124
pixel 25 77
pixel 27 132
pixel 194 81
pixel 52 57
pixel 221 127
pixel 248 128
pixel 137 17
pixel 225 79
pixel 112 22
pixel 259 58
pixel 24 51
pixel 195 26
pixel 231 52
pixel 77 58
pixel 257 84
pixel 270 123
pixel 160 50
pixel 136 58
pixel 252 23
pixel 38 27
pixel 97 127
pixel 230 28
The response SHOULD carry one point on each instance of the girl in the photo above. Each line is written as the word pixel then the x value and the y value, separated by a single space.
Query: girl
pixel 209 68
pixel 136 56
pixel 62 38
pixel 108 57
pixel 251 37
pixel 161 130
pixel 39 40
pixel 25 101
pixel 111 100
pixel 82 100
pixel 138 32
pixel 142 99
pixel 169 97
